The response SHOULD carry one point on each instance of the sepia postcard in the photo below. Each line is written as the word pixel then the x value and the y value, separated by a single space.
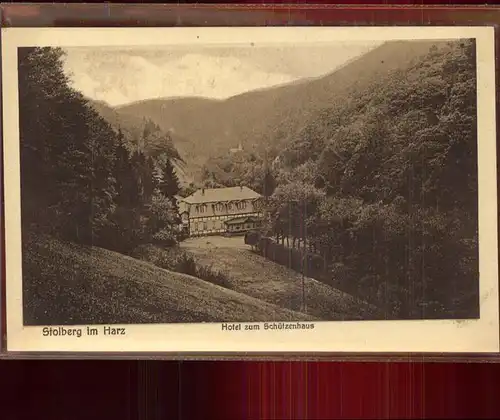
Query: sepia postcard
pixel 239 190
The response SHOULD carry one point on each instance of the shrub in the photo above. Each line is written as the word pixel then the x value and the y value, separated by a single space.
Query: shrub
pixel 208 273
pixel 180 261
pixel 252 238
pixel 165 237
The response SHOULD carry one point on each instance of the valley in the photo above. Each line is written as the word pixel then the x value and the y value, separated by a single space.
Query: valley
pixel 367 175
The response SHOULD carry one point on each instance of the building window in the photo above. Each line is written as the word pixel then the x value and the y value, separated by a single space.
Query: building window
pixel 205 226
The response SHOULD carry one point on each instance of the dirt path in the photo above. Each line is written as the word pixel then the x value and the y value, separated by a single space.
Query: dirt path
pixel 256 276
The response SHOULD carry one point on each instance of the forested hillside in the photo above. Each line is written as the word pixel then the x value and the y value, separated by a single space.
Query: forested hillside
pixel 266 120
pixel 83 179
pixel 384 187
pixel 382 184
pixel 141 133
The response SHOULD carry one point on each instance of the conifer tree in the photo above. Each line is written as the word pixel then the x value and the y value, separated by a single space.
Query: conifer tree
pixel 169 185
pixel 67 151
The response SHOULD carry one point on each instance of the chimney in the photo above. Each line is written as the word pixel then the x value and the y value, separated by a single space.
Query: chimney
pixel 203 191
pixel 241 187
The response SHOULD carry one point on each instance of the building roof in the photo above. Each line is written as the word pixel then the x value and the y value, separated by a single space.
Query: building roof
pixel 210 195
pixel 243 219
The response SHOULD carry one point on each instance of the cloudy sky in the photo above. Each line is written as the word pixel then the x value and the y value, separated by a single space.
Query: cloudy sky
pixel 123 75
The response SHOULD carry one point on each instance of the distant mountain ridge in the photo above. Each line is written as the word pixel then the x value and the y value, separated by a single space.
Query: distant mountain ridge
pixel 133 126
pixel 265 120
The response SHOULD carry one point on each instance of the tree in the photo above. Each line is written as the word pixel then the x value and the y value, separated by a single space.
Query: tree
pixel 67 151
pixel 268 183
pixel 187 190
pixel 79 181
pixel 128 195
pixel 396 168
pixel 252 238
pixel 291 206
pixel 163 221
pixel 169 184
pixel 156 143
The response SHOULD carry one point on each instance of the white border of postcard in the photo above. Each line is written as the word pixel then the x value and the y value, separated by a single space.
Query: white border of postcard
pixel 447 336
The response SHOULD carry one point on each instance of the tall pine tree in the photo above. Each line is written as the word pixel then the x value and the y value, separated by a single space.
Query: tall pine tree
pixel 169 185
